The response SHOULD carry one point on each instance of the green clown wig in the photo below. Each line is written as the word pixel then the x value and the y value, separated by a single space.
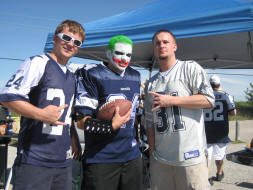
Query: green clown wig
pixel 119 38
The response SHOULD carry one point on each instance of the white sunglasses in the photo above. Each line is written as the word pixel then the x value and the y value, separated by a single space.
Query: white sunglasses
pixel 68 38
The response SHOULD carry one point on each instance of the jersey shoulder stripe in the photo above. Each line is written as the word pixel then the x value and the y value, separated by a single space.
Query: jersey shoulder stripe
pixel 26 77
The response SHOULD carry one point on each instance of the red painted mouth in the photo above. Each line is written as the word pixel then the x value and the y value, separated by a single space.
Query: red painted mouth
pixel 120 62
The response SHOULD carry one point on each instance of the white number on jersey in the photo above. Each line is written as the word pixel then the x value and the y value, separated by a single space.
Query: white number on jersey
pixel 15 81
pixel 215 114
pixel 57 129
pixel 163 124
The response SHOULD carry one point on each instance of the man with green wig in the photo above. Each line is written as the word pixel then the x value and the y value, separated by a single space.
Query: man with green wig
pixel 112 159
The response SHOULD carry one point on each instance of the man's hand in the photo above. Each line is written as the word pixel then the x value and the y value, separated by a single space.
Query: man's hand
pixel 118 121
pixel 161 100
pixel 51 114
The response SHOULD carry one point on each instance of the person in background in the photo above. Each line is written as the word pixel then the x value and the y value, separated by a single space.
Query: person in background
pixel 217 126
pixel 112 159
pixel 174 100
pixel 42 91
pixel 139 112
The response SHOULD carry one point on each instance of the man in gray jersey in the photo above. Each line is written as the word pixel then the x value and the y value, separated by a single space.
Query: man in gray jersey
pixel 174 101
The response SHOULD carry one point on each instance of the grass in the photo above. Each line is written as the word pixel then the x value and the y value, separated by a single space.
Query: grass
pixel 240 117
pixel 14 142
pixel 238 142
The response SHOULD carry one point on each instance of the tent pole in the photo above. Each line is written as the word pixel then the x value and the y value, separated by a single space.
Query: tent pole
pixel 153 61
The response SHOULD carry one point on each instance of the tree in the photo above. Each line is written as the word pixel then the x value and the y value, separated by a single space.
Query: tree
pixel 249 93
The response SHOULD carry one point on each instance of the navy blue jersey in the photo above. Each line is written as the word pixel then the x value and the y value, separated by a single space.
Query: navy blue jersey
pixel 96 85
pixel 42 82
pixel 216 119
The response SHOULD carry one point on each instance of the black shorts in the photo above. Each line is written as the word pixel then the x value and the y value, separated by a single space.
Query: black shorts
pixel 113 176
pixel 29 177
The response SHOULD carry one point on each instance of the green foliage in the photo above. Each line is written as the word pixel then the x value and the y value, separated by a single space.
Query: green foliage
pixel 249 93
pixel 244 111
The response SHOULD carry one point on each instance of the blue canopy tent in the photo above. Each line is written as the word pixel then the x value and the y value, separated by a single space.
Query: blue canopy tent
pixel 215 33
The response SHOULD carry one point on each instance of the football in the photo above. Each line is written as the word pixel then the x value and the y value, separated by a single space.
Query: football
pixel 106 111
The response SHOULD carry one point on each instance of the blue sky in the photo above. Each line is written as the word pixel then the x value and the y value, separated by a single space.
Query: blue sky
pixel 25 25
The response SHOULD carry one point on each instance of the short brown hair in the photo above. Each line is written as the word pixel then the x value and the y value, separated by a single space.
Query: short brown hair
pixel 73 26
pixel 166 31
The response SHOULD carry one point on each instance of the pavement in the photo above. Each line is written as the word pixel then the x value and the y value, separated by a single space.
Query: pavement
pixel 237 176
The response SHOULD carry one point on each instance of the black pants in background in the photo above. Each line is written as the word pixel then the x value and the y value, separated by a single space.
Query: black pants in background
pixel 113 176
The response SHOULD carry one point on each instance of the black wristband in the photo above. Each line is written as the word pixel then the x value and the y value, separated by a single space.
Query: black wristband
pixel 94 126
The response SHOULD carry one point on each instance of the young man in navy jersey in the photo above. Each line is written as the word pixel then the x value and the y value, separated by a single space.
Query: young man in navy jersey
pixel 217 126
pixel 112 158
pixel 42 91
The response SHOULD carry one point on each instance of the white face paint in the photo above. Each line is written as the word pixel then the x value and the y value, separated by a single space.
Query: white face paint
pixel 121 56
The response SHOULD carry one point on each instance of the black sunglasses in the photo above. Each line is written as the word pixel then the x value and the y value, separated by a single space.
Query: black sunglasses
pixel 68 38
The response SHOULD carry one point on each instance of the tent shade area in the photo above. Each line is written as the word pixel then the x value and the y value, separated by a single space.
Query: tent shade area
pixel 217 34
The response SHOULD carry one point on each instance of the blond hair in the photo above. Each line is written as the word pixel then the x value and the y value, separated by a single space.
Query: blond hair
pixel 73 27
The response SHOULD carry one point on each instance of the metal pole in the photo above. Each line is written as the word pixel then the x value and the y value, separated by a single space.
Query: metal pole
pixel 237 130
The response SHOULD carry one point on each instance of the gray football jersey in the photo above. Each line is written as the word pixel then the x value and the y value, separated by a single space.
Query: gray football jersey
pixel 180 138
